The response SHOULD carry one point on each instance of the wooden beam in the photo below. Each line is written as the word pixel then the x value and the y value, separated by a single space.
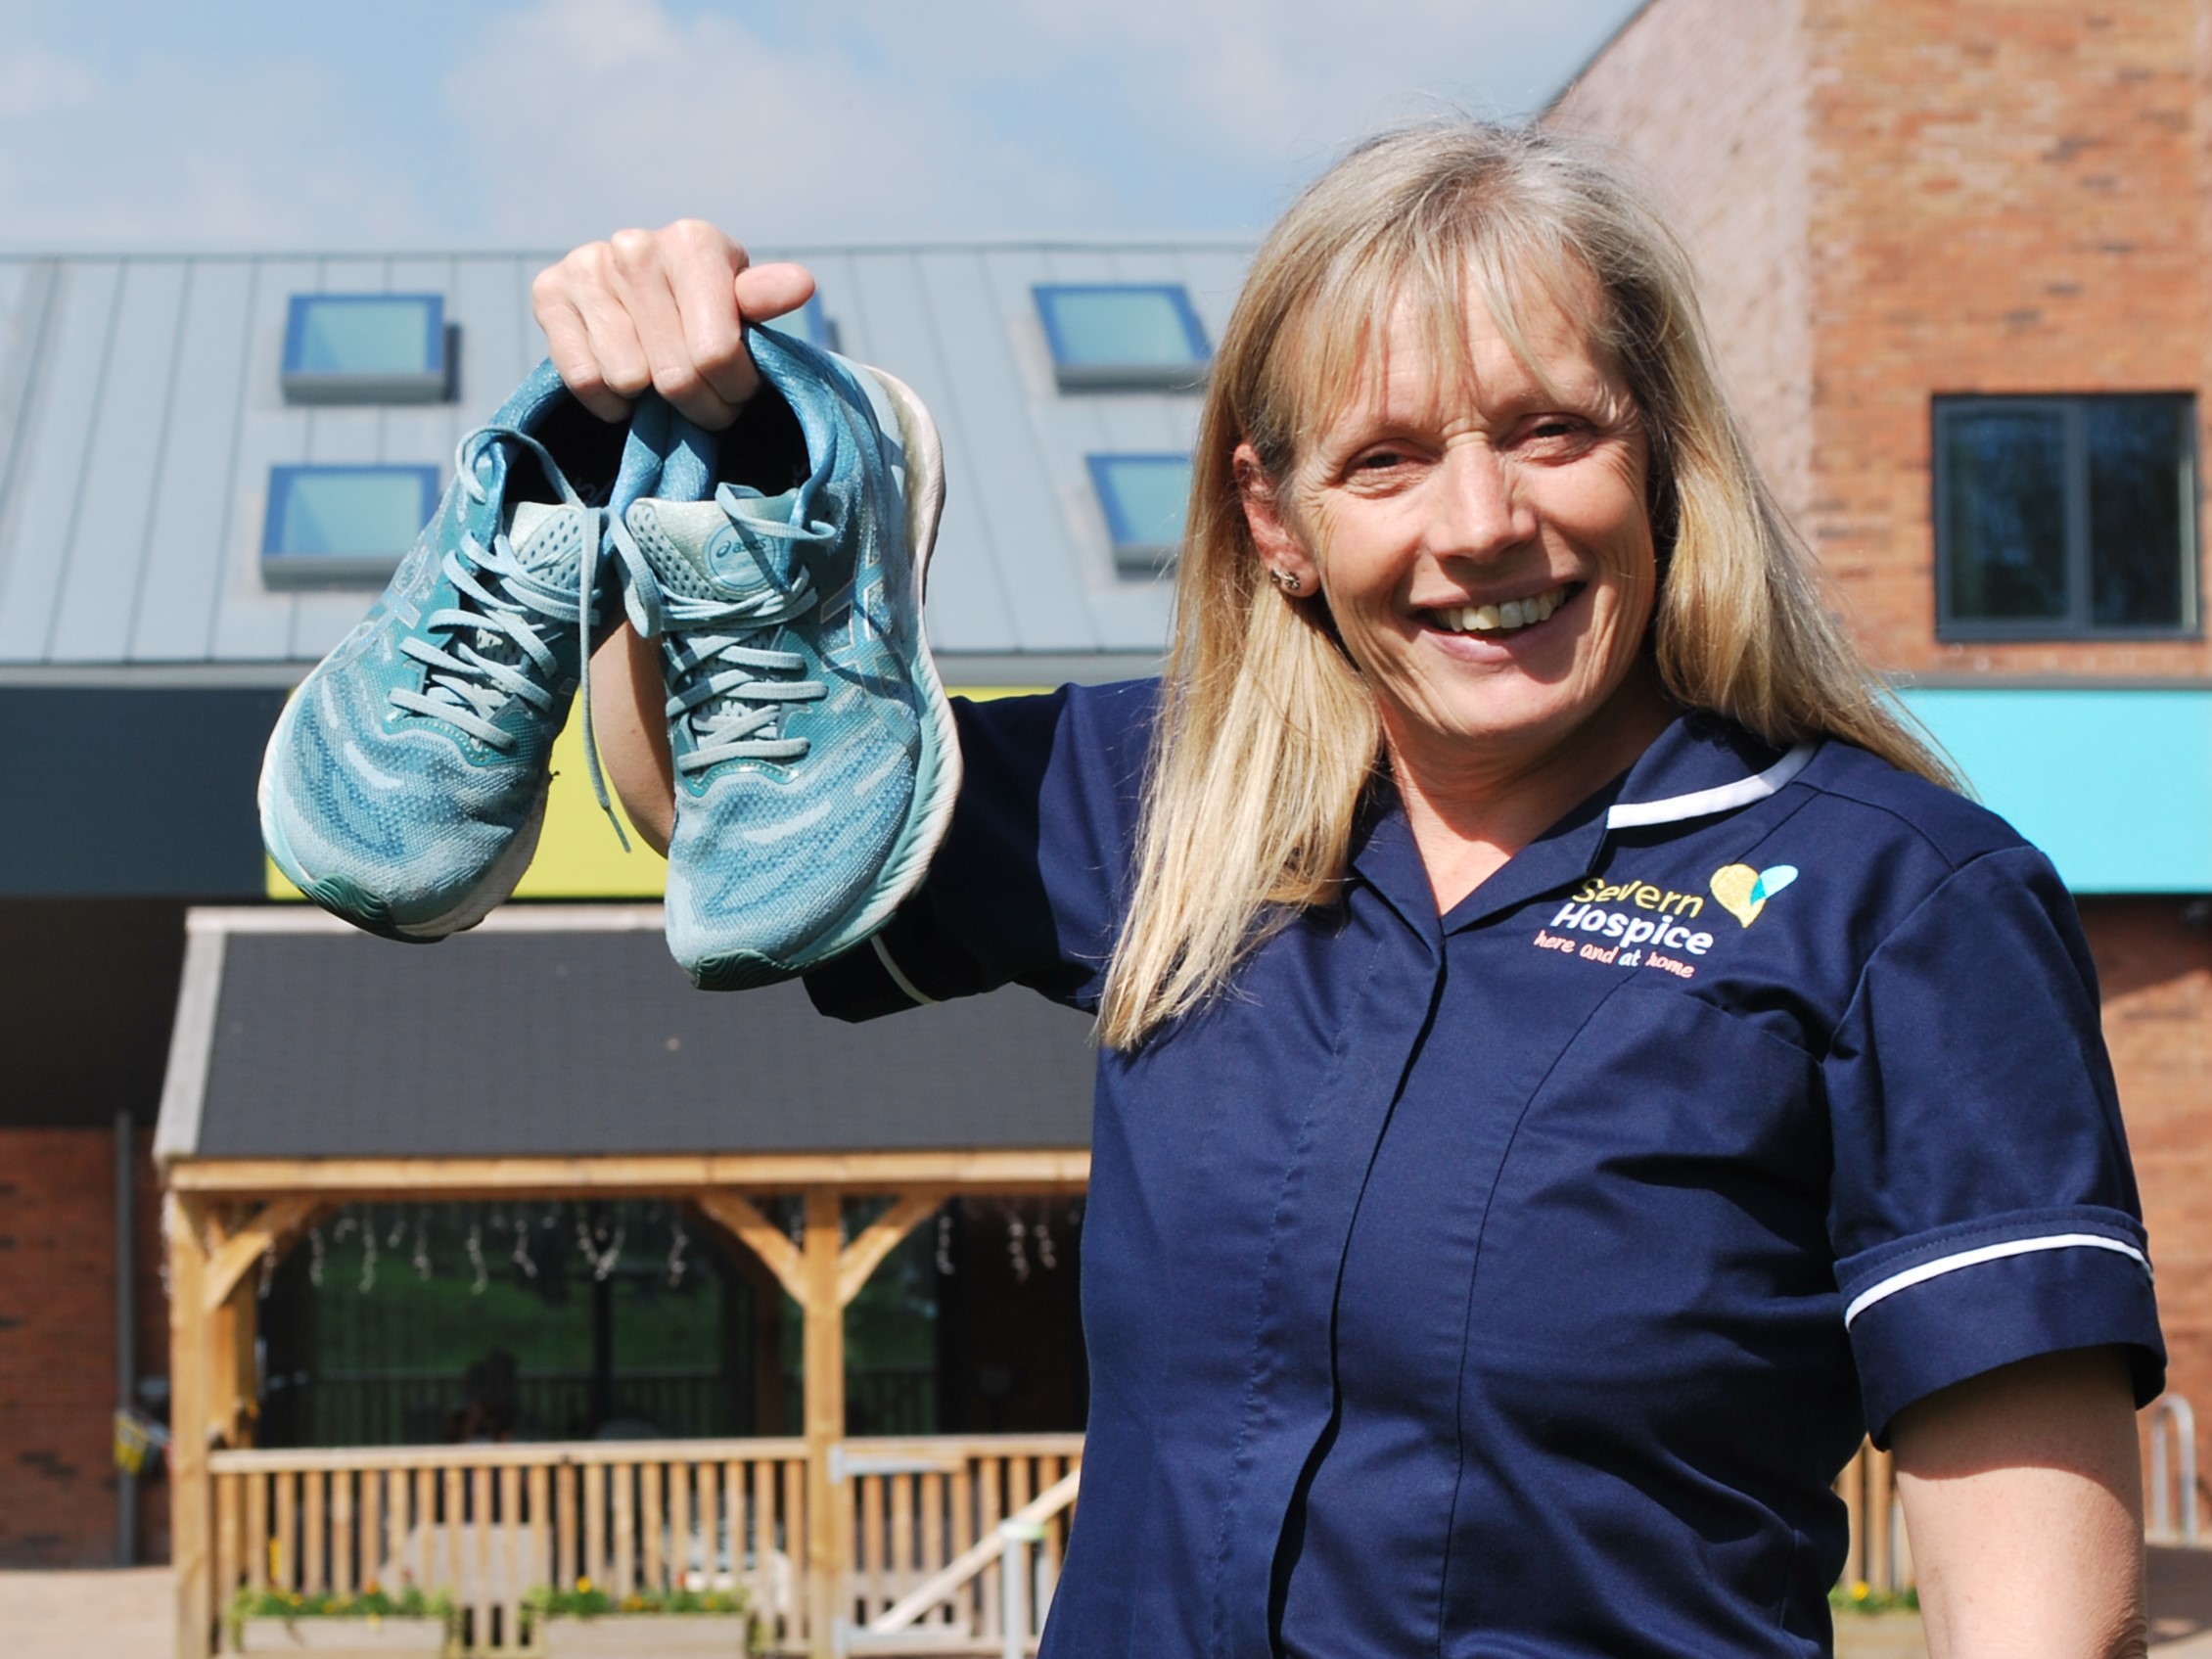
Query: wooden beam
pixel 191 1512
pixel 274 1227
pixel 742 1220
pixel 829 1505
pixel 1031 1170
pixel 866 1254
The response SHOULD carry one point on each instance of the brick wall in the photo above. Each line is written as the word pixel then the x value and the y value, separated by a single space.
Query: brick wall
pixel 1709 98
pixel 2007 195
pixel 1987 196
pixel 57 1346
pixel 2154 957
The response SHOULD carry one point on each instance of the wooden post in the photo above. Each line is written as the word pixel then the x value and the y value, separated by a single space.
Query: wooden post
pixel 829 1519
pixel 191 1521
pixel 823 1275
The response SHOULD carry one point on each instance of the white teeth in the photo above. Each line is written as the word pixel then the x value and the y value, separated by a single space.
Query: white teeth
pixel 1499 619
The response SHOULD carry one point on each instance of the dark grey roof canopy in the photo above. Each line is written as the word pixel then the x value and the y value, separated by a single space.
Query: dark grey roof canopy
pixel 568 1031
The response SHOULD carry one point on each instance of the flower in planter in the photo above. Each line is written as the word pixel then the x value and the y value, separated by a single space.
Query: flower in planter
pixel 1863 1597
pixel 372 1604
pixel 588 1601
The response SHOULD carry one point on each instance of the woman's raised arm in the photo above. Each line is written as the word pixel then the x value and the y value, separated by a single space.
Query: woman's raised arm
pixel 2023 1498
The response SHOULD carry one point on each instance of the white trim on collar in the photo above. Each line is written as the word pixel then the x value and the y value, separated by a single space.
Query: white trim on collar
pixel 1727 797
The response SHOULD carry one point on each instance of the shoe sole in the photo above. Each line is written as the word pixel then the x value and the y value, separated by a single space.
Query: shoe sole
pixel 936 784
pixel 350 901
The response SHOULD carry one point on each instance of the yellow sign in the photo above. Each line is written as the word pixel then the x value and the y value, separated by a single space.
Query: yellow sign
pixel 578 854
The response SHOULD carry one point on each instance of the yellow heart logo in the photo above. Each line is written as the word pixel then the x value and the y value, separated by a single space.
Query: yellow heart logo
pixel 1735 884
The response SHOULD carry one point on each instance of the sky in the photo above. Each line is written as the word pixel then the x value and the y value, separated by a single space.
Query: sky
pixel 536 124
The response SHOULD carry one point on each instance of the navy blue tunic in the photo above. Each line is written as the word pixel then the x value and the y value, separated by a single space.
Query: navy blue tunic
pixel 1516 1281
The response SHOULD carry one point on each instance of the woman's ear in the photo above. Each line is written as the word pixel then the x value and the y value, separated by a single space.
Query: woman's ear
pixel 1279 546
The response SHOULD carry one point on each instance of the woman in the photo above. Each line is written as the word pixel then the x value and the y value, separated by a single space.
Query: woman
pixel 1571 1064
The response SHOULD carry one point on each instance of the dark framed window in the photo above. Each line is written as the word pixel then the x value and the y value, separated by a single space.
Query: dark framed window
pixel 342 525
pixel 366 348
pixel 1145 498
pixel 2063 518
pixel 1123 336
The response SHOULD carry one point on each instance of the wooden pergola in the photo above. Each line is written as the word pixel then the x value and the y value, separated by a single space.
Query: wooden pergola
pixel 228 1214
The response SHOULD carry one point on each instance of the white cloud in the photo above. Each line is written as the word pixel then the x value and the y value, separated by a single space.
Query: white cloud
pixel 214 155
pixel 625 115
pixel 536 122
pixel 36 82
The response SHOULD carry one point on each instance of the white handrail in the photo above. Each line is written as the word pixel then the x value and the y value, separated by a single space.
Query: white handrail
pixel 970 1562
pixel 2172 1419
pixel 1014 1540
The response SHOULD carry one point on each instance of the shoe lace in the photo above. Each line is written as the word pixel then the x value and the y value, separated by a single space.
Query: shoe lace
pixel 498 637
pixel 717 674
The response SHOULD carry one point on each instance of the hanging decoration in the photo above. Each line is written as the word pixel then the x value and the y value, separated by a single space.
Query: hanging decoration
pixel 679 1243
pixel 368 1259
pixel 520 1256
pixel 587 1240
pixel 315 1257
pixel 475 1248
pixel 421 1246
pixel 945 1241
pixel 1016 1234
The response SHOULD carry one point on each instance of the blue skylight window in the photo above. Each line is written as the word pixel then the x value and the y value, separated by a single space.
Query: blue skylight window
pixel 342 525
pixel 1144 497
pixel 365 349
pixel 1127 336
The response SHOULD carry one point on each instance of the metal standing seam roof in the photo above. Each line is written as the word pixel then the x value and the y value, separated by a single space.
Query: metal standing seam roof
pixel 141 411
pixel 558 1032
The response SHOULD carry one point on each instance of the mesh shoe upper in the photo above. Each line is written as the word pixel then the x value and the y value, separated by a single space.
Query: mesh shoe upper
pixel 404 783
pixel 812 748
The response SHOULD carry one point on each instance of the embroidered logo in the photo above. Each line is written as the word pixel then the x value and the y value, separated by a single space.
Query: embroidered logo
pixel 1743 892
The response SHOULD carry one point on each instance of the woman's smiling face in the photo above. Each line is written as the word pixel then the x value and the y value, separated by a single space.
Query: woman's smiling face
pixel 1479 535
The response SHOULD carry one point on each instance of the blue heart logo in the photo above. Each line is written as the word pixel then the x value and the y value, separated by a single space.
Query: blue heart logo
pixel 1772 880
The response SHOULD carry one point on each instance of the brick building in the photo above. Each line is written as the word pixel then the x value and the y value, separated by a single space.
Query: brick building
pixel 1953 249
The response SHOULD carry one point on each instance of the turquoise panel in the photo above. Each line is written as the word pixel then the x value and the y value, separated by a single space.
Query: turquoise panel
pixel 2114 785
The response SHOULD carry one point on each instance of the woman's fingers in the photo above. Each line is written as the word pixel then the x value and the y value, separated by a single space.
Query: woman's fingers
pixel 671 303
pixel 588 334
pixel 662 308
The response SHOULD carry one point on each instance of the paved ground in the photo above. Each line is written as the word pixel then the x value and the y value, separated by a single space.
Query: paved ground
pixel 95 1615
pixel 125 1615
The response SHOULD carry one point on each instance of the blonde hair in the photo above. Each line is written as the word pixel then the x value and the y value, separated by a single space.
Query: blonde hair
pixel 1268 734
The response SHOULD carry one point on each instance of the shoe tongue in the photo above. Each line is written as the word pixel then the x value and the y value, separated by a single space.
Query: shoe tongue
pixel 536 532
pixel 720 538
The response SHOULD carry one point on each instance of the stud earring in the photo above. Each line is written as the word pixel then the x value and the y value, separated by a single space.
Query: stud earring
pixel 1293 585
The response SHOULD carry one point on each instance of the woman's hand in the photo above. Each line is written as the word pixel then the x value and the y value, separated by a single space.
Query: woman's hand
pixel 662 308
pixel 2023 1500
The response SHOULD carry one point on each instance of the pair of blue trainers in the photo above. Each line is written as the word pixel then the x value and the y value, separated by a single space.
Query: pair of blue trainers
pixel 780 565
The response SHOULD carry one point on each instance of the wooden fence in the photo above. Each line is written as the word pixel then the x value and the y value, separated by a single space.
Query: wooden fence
pixel 1880 1558
pixel 920 1505
pixel 486 1524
